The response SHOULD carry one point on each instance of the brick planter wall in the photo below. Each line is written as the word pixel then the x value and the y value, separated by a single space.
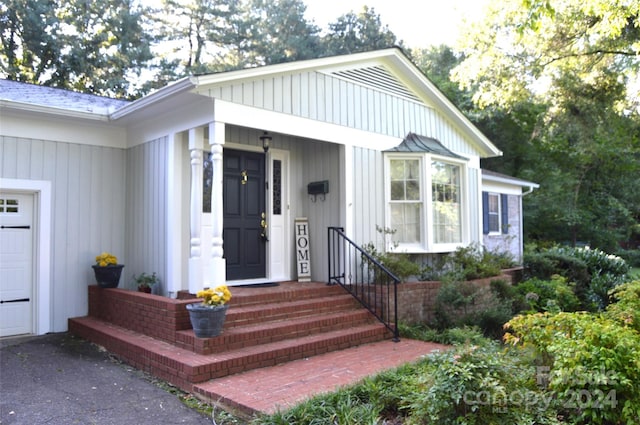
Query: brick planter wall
pixel 416 300
pixel 153 315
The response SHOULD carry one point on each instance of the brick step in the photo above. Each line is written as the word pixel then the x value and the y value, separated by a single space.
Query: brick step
pixel 183 367
pixel 258 294
pixel 244 315
pixel 263 332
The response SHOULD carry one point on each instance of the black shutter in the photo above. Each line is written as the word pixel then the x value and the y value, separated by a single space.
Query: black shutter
pixel 504 209
pixel 485 213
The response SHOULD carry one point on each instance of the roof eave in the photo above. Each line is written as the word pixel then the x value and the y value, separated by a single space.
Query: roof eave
pixel 52 110
pixel 511 181
pixel 184 85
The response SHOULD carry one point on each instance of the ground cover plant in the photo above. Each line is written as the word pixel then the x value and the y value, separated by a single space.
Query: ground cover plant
pixel 556 365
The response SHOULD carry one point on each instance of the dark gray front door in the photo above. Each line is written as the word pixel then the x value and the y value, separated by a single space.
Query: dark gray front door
pixel 244 209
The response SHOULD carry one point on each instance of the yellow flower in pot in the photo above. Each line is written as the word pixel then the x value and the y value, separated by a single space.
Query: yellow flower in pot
pixel 207 317
pixel 107 270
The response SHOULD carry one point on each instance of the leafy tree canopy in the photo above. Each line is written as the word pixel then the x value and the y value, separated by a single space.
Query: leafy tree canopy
pixel 525 46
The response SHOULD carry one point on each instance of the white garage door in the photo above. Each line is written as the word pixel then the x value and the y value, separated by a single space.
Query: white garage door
pixel 16 264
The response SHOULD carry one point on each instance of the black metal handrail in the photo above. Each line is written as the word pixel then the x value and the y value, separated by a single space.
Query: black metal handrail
pixel 370 282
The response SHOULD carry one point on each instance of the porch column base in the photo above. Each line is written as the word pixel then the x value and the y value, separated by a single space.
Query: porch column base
pixel 218 274
pixel 196 283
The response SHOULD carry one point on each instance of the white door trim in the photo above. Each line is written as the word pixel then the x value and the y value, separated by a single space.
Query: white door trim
pixel 41 189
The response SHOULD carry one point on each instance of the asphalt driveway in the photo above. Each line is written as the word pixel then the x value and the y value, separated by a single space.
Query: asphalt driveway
pixel 60 379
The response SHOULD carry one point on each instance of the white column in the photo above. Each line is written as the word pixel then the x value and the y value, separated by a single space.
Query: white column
pixel 218 274
pixel 196 140
pixel 175 243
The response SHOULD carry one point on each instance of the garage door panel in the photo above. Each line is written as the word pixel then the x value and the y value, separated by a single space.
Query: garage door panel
pixel 16 264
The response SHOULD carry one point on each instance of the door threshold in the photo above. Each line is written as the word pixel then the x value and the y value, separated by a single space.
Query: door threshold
pixel 252 282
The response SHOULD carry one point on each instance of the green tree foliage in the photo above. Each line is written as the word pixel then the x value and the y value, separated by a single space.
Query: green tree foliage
pixel 560 81
pixel 353 33
pixel 197 30
pixel 281 32
pixel 95 47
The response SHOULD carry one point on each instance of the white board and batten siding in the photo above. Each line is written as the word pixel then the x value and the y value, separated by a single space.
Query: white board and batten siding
pixel 323 97
pixel 88 187
pixel 147 208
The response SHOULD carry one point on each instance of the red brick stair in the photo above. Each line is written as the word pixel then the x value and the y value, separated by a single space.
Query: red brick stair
pixel 265 326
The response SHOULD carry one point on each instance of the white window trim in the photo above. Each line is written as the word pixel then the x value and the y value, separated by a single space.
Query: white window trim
pixel 427 244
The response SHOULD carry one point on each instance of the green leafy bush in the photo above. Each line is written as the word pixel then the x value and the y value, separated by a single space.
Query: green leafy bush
pixel 471 262
pixel 592 360
pixel 478 385
pixel 593 272
pixel 625 307
pixel 552 295
pixel 468 304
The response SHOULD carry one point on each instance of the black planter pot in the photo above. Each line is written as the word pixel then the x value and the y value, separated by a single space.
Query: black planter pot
pixel 108 276
pixel 207 322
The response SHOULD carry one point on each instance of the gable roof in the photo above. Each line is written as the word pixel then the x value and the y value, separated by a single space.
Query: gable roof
pixel 388 70
pixel 416 143
pixel 34 97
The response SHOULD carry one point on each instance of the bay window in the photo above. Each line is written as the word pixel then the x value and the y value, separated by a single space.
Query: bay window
pixel 425 201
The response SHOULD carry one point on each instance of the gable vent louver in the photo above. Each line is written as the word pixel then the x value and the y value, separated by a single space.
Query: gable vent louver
pixel 377 77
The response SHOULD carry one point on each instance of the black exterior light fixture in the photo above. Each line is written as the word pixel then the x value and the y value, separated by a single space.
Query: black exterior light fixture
pixel 266 141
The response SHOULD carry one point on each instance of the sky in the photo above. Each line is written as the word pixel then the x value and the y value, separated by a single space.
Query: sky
pixel 419 23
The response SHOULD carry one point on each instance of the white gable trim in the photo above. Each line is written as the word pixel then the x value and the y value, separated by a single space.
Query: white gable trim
pixel 246 116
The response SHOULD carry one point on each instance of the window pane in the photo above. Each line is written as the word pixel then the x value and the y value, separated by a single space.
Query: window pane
pixel 405 180
pixel 405 220
pixel 447 208
pixel 397 191
pixel 413 190
pixel 494 213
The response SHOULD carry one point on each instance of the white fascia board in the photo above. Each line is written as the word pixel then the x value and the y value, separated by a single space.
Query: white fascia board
pixel 506 185
pixel 331 62
pixel 44 126
pixel 6 105
pixel 246 116
pixel 506 180
pixel 180 86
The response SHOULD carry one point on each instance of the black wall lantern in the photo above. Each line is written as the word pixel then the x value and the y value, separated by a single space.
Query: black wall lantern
pixel 266 141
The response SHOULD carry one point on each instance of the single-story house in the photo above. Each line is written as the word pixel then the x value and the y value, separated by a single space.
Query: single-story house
pixel 203 180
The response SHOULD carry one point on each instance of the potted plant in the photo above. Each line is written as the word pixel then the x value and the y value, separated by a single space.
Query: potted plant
pixel 107 270
pixel 207 317
pixel 146 282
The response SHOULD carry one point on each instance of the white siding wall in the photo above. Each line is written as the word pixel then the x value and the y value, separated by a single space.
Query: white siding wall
pixel 88 191
pixel 330 99
pixel 146 237
pixel 368 196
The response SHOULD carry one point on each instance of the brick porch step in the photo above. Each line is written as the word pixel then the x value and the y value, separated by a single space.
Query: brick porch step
pixel 183 367
pixel 264 327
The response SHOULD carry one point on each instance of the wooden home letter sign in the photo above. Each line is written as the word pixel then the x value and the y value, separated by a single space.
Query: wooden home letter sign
pixel 302 249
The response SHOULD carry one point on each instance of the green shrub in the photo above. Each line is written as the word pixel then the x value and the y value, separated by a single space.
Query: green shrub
pixel 468 304
pixel 631 256
pixel 452 336
pixel 593 272
pixel 478 385
pixel 552 295
pixel 593 365
pixel 625 306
